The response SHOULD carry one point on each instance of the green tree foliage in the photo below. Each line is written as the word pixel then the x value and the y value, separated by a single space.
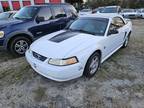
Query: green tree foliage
pixel 74 1
pixel 6 9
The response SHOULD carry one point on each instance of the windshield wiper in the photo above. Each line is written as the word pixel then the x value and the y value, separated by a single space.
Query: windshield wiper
pixel 83 31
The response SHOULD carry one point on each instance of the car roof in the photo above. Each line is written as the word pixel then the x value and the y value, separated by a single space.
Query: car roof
pixel 111 6
pixel 49 4
pixel 101 15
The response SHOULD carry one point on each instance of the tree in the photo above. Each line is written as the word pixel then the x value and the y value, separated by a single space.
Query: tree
pixel 74 1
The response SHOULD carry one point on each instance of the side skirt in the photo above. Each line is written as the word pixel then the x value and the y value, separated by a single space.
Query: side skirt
pixel 111 54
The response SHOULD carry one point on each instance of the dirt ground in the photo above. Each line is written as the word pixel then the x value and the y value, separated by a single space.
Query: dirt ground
pixel 118 84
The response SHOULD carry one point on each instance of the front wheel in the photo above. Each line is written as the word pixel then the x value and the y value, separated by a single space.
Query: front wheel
pixel 19 45
pixel 92 65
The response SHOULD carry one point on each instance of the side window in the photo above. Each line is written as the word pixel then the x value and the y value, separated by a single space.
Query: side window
pixel 46 13
pixel 118 22
pixel 71 11
pixel 112 26
pixel 59 12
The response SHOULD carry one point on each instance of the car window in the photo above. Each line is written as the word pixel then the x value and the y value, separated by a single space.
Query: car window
pixel 59 12
pixel 118 22
pixel 46 13
pixel 109 10
pixel 26 13
pixel 112 27
pixel 71 11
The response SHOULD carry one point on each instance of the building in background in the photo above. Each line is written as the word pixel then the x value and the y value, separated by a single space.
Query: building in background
pixel 6 5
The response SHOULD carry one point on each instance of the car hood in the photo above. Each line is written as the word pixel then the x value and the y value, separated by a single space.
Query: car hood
pixel 5 23
pixel 59 44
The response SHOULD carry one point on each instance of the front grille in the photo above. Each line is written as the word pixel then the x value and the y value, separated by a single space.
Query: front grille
pixel 131 15
pixel 39 57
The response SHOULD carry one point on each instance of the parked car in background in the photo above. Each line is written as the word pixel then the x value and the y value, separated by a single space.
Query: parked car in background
pixel 97 10
pixel 33 22
pixel 85 12
pixel 129 13
pixel 80 48
pixel 111 9
pixel 7 15
pixel 141 13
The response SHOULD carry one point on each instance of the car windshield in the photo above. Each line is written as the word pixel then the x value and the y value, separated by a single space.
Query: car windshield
pixel 94 26
pixel 26 13
pixel 85 10
pixel 4 15
pixel 109 10
pixel 100 9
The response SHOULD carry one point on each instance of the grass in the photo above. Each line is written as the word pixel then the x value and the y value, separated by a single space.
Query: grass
pixel 39 94
pixel 16 75
pixel 138 88
pixel 5 56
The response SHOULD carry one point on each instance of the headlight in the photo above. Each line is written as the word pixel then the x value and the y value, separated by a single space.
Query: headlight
pixel 1 34
pixel 63 62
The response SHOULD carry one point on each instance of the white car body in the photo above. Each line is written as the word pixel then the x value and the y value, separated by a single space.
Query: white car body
pixel 141 12
pixel 81 46
pixel 132 14
pixel 85 12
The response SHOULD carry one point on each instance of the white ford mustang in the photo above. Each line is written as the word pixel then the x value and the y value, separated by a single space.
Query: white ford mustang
pixel 80 48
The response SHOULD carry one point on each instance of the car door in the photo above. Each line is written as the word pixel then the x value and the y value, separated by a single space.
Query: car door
pixel 114 40
pixel 121 26
pixel 44 23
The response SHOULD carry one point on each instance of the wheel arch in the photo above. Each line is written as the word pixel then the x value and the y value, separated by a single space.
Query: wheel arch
pixel 18 35
pixel 97 50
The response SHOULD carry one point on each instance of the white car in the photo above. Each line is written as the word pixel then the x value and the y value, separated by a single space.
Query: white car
pixel 85 12
pixel 141 13
pixel 80 48
pixel 111 9
pixel 129 13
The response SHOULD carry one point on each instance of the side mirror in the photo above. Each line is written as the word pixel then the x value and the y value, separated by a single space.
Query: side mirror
pixel 113 31
pixel 39 19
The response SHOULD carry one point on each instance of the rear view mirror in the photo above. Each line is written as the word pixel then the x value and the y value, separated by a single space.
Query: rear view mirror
pixel 113 31
pixel 39 19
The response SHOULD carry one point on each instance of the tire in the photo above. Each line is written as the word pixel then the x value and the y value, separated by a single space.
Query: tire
pixel 89 72
pixel 19 45
pixel 125 44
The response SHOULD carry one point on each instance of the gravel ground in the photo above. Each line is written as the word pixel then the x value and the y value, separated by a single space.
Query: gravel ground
pixel 118 84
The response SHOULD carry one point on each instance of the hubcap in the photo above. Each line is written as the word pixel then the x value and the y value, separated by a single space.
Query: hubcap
pixel 94 65
pixel 21 46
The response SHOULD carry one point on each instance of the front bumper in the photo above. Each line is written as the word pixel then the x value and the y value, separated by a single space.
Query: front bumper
pixel 57 73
